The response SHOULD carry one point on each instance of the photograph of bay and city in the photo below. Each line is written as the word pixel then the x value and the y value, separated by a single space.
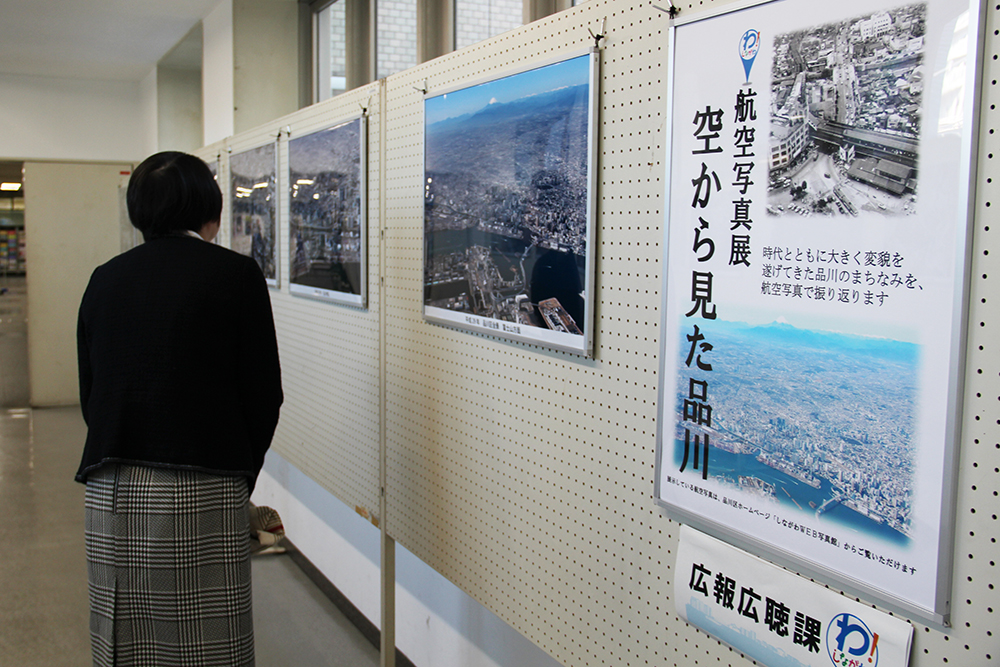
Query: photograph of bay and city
pixel 326 194
pixel 813 421
pixel 506 198
pixel 845 116
pixel 253 174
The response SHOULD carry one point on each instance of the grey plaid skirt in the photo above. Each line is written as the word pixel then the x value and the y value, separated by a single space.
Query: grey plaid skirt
pixel 169 567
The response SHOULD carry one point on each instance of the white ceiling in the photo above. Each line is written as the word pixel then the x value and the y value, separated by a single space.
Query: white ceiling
pixel 93 39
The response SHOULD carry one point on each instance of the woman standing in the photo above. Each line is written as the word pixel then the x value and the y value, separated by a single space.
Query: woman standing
pixel 180 387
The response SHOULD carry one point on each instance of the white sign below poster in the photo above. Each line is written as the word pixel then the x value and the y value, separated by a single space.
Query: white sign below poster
pixel 814 296
pixel 779 618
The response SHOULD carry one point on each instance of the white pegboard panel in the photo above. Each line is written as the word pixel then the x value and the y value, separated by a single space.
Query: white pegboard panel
pixel 329 426
pixel 213 153
pixel 525 476
pixel 330 353
pixel 974 638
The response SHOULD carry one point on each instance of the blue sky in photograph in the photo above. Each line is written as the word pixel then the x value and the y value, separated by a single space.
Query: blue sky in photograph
pixel 573 72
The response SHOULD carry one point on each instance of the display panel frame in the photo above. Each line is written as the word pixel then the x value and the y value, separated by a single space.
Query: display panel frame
pixel 943 187
pixel 320 292
pixel 265 251
pixel 526 326
pixel 215 166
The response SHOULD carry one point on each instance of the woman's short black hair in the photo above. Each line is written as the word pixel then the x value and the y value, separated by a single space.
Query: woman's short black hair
pixel 171 192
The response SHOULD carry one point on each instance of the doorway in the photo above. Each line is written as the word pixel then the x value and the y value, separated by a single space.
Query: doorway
pixel 15 390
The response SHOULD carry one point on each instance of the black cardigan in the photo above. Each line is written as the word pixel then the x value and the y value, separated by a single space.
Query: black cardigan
pixel 178 360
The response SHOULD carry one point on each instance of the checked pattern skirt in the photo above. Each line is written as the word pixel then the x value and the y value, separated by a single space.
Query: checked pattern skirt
pixel 169 567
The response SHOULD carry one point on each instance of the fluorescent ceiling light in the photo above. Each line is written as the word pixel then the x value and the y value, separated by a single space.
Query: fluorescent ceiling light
pixel 10 187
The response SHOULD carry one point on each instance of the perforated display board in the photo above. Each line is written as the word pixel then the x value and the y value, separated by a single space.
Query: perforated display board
pixel 329 426
pixel 526 475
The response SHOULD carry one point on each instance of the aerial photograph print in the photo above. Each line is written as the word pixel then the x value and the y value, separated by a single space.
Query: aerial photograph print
pixel 254 178
pixel 506 199
pixel 326 238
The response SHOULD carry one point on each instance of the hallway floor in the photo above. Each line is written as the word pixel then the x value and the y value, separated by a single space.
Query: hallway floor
pixel 44 616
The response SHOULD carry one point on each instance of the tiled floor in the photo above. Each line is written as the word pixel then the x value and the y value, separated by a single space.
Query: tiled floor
pixel 43 571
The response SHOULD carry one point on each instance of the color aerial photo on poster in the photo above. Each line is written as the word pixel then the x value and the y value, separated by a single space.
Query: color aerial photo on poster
pixel 816 260
pixel 817 454
pixel 327 246
pixel 508 200
pixel 253 232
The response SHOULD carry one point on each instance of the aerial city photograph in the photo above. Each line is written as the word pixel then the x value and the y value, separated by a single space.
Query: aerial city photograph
pixel 506 198
pixel 325 188
pixel 846 116
pixel 824 427
pixel 253 176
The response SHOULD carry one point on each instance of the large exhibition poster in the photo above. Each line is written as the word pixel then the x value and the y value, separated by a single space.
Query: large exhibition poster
pixel 508 205
pixel 253 231
pixel 327 231
pixel 820 174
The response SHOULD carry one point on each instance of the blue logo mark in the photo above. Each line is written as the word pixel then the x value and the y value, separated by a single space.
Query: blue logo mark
pixel 749 46
pixel 850 643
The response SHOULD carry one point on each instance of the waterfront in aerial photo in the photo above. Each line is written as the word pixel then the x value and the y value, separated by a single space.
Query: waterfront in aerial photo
pixel 506 198
pixel 816 421
pixel 846 106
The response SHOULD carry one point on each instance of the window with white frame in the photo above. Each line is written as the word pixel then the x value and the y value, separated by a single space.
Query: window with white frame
pixel 476 20
pixel 395 33
pixel 396 36
pixel 331 51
